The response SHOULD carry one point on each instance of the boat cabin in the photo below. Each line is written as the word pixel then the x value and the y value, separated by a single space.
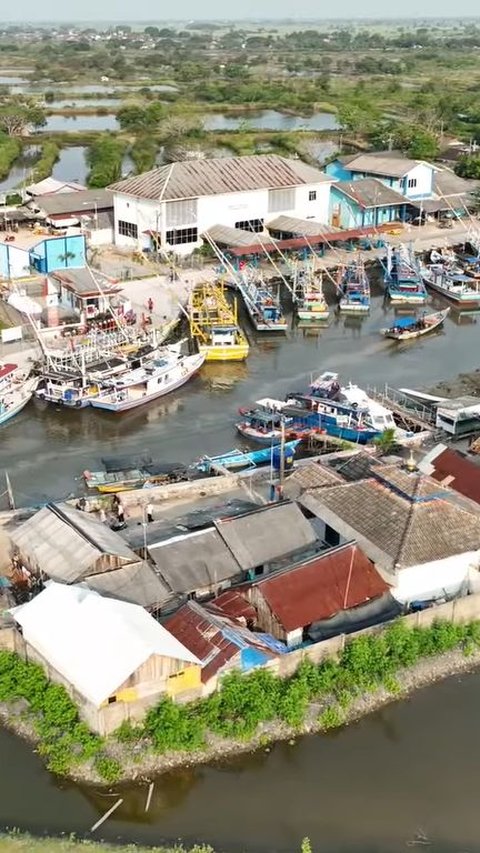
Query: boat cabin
pixel 459 417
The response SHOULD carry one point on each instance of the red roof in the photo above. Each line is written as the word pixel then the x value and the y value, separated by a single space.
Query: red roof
pixel 453 469
pixel 338 580
pixel 6 369
pixel 302 242
pixel 234 604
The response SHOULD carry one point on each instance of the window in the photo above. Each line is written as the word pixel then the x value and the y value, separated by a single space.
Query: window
pixel 112 700
pixel 127 229
pixel 412 182
pixel 279 200
pixel 180 236
pixel 255 225
pixel 312 195
pixel 179 214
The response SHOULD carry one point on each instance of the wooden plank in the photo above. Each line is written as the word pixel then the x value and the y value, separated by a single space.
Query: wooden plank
pixel 107 815
pixel 149 796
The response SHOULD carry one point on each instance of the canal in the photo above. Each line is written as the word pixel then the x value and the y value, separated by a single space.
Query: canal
pixel 46 449
pixel 406 773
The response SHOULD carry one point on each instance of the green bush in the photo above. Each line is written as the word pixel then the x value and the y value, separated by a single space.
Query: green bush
pixel 331 718
pixel 105 160
pixel 44 166
pixel 108 768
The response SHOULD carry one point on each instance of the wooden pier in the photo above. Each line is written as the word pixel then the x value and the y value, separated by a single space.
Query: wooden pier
pixel 407 413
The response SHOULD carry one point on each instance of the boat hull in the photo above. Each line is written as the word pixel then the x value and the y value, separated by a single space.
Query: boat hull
pixel 312 316
pixel 467 302
pixel 237 352
pixel 15 410
pixel 128 404
pixel 352 308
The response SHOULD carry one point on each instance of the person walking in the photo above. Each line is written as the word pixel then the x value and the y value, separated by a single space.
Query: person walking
pixel 120 512
pixel 150 304
pixel 149 513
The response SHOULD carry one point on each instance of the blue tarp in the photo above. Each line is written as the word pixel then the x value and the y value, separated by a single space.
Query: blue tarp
pixel 404 322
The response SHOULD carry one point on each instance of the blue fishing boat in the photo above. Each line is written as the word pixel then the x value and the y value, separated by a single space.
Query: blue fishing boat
pixel 262 303
pixel 334 417
pixel 237 459
pixel 354 288
pixel 403 280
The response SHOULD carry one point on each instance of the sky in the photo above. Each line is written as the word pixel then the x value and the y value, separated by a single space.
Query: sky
pixel 151 10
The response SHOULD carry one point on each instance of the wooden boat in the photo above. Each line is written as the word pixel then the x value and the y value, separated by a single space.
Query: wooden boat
pixel 124 479
pixel 407 328
pixel 354 288
pixel 262 304
pixel 454 285
pixel 403 281
pixel 311 304
pixel 16 390
pixel 214 324
pixel 147 383
pixel 237 459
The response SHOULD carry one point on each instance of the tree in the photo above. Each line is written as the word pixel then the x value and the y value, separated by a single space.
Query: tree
pixel 17 117
pixel 468 166
pixel 423 146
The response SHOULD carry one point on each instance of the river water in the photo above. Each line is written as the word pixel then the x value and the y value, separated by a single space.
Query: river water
pixel 46 450
pixel 407 771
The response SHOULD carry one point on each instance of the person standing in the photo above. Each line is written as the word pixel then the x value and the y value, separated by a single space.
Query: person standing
pixel 120 512
pixel 149 513
pixel 150 304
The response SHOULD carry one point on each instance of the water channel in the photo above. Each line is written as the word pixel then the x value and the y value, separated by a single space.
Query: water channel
pixel 45 450
pixel 269 120
pixel 409 771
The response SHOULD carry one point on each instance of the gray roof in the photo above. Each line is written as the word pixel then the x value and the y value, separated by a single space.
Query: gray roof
pixel 85 281
pixel 265 535
pixel 370 192
pixel 314 475
pixel 227 236
pixel 398 519
pixel 65 543
pixel 137 583
pixel 80 202
pixel 195 561
pixel 194 178
pixel 300 227
pixel 381 163
pixel 446 183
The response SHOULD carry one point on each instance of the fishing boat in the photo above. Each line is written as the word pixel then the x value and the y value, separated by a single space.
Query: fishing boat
pixel 310 302
pixel 16 390
pixel 403 281
pixel 461 289
pixel 238 459
pixel 263 427
pixel 154 379
pixel 354 288
pixel 378 415
pixel 407 328
pixel 214 324
pixel 125 478
pixel 334 417
pixel 63 389
pixel 262 303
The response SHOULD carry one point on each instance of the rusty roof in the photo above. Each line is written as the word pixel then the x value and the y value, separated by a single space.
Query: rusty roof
pixel 370 192
pixel 216 638
pixel 194 178
pixel 450 468
pixel 234 603
pixel 339 579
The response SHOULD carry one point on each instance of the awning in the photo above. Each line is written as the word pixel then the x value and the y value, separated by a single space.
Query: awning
pixel 299 227
pixel 237 237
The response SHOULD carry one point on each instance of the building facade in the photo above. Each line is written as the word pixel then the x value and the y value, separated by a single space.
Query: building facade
pixel 174 205
pixel 411 178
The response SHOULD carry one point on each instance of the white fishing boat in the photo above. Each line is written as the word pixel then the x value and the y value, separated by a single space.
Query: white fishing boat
pixel 461 289
pixel 379 416
pixel 310 300
pixel 16 390
pixel 154 379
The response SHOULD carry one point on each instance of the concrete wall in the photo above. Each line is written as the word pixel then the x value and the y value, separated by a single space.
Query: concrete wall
pixel 14 261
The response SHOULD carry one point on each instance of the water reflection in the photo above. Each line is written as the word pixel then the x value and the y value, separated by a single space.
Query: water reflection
pixel 269 120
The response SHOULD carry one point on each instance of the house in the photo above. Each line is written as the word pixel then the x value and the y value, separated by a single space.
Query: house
pixel 423 537
pixel 174 205
pixel 451 195
pixel 453 469
pixel 51 186
pixel 66 545
pixel 364 202
pixel 410 178
pixel 204 562
pixel 91 209
pixel 220 642
pixel 296 604
pixel 85 292
pixel 27 251
pixel 114 659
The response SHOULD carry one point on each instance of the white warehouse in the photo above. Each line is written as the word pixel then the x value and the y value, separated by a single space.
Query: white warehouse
pixel 178 203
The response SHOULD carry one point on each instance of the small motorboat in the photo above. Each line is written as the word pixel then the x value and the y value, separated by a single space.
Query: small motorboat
pixel 407 328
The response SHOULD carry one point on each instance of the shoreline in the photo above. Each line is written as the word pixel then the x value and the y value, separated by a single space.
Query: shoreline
pixel 147 767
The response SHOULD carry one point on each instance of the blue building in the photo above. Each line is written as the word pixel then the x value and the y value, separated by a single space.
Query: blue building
pixel 28 253
pixel 413 179
pixel 365 202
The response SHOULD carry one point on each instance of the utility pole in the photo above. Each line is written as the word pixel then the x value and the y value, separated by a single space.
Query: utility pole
pixel 282 458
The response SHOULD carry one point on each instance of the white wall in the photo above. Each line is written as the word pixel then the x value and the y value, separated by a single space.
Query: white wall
pixel 436 579
pixel 423 175
pixel 18 261
pixel 100 237
pixel 217 210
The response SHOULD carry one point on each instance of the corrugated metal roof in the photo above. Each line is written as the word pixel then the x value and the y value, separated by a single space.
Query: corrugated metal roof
pixel 52 185
pixel 338 580
pixel 369 192
pixel 194 178
pixel 85 281
pixel 64 543
pixel 381 163
pixel 233 603
pixel 226 236
pixel 450 468
pixel 194 561
pixel 266 534
pixel 80 202
pixel 136 583
pixel 301 227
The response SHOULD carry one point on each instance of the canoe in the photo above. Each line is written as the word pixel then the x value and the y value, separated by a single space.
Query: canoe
pixel 408 328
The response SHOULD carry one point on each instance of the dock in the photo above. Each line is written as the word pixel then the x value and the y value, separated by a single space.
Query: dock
pixel 407 414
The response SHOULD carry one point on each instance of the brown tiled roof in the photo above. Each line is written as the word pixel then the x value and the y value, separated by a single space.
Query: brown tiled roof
pixel 194 178
pixel 393 529
pixel 460 473
pixel 311 476
pixel 380 163
pixel 370 192
pixel 338 580
pixel 358 466
pixel 215 638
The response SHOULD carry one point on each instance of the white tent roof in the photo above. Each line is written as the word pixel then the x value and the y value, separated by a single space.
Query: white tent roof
pixel 96 643
pixel 24 304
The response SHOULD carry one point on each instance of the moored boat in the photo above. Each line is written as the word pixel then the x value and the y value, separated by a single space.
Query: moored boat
pixel 310 303
pixel 262 303
pixel 403 281
pixel 238 459
pixel 461 289
pixel 16 390
pixel 214 324
pixel 408 328
pixel 354 288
